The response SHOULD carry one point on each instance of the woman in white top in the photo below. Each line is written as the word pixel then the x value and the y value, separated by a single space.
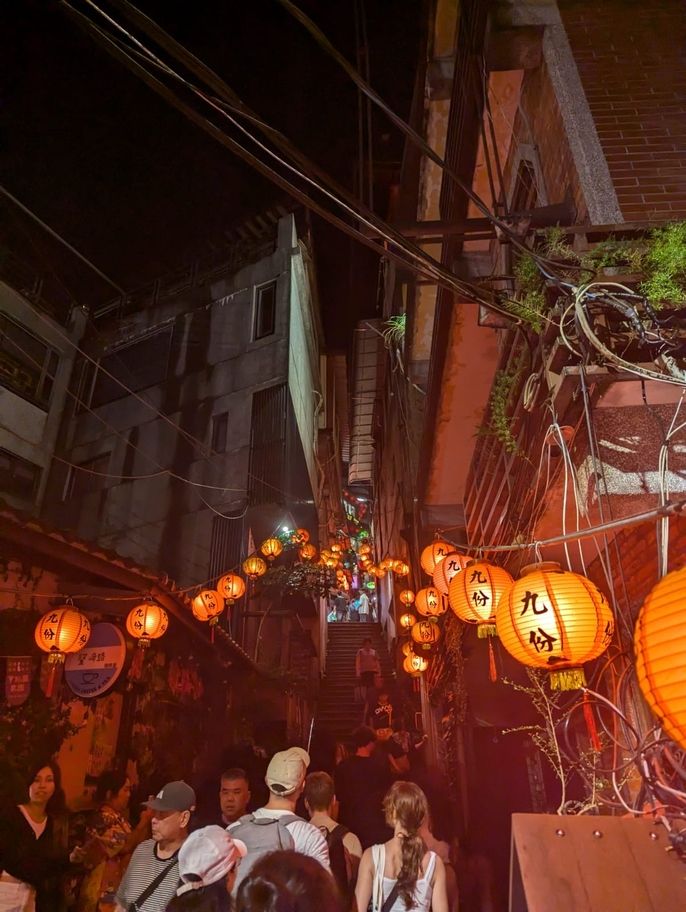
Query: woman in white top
pixel 400 875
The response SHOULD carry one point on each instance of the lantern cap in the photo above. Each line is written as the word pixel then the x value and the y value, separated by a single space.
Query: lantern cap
pixel 540 565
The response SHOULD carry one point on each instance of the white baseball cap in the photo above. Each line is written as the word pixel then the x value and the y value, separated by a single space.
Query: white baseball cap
pixel 287 770
pixel 206 856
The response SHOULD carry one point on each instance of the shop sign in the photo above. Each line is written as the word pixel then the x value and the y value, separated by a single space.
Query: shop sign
pixel 17 680
pixel 97 666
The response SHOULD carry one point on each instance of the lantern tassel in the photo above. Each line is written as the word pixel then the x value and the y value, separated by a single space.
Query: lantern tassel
pixel 486 630
pixel 591 727
pixel 492 670
pixel 567 679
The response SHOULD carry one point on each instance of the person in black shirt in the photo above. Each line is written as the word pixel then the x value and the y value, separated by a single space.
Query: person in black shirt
pixel 361 782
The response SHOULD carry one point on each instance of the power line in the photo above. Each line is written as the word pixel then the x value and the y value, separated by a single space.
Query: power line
pixel 429 267
pixel 62 241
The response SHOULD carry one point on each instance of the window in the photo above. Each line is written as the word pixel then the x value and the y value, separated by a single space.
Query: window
pixel 18 476
pixel 220 429
pixel 265 310
pixel 525 192
pixel 87 477
pixel 138 365
pixel 27 365
pixel 267 465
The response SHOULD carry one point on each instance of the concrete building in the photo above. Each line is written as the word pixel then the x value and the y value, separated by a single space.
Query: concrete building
pixel 39 329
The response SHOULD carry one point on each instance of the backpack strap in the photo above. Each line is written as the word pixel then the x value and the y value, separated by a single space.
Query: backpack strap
pixel 338 834
pixel 150 889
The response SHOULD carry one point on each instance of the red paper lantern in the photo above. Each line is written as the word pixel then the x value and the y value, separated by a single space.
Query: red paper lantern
pixel 554 619
pixel 231 586
pixel 474 594
pixel 433 554
pixel 147 622
pixel 429 602
pixel 447 570
pixel 406 597
pixel 254 566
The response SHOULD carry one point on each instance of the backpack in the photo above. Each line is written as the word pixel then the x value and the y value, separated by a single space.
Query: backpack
pixel 261 835
pixel 337 858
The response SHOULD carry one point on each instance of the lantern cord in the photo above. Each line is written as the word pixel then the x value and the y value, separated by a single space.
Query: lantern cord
pixel 666 509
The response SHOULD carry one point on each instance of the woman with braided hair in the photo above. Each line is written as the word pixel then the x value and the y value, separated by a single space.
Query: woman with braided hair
pixel 401 875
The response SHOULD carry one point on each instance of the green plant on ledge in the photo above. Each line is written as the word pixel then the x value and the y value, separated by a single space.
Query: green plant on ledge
pixel 500 423
pixel 528 304
pixel 394 333
pixel 665 266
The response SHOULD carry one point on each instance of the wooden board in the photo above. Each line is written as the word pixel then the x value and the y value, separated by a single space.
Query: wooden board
pixel 588 864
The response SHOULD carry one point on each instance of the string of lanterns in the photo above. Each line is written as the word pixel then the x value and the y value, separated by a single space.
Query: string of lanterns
pixel 549 618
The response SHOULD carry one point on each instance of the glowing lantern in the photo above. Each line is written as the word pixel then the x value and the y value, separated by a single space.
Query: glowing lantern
pixel 308 552
pixel 474 594
pixel 429 602
pixel 553 619
pixel 447 570
pixel 61 631
pixel 426 633
pixel 302 535
pixel 407 648
pixel 415 664
pixel 231 587
pixel 387 564
pixel 660 641
pixel 365 549
pixel 271 548
pixel 325 553
pixel 207 605
pixel 336 548
pixel 400 568
pixel 147 622
pixel 254 566
pixel 331 562
pixel 407 597
pixel 378 572
pixel 433 554
pixel 407 621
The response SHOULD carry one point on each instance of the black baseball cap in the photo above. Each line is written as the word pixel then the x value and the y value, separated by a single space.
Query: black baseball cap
pixel 175 796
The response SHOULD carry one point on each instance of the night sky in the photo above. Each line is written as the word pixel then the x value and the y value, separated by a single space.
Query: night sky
pixel 141 190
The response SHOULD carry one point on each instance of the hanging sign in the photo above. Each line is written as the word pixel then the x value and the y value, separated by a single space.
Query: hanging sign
pixel 97 666
pixel 17 680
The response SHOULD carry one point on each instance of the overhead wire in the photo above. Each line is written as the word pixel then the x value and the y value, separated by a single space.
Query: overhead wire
pixel 426 263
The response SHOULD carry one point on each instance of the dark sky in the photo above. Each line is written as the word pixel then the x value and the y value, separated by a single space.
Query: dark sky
pixel 138 188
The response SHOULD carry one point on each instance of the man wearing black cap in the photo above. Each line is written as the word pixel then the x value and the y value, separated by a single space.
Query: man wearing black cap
pixel 152 876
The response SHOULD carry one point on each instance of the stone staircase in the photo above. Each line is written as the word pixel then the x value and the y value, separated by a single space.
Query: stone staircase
pixel 337 712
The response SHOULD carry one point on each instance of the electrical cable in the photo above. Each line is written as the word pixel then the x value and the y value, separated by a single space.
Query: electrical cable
pixel 446 279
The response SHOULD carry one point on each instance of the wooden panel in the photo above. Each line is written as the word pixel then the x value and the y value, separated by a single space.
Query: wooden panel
pixel 586 864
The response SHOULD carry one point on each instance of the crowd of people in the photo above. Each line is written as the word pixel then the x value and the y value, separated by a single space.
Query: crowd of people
pixel 357 607
pixel 358 839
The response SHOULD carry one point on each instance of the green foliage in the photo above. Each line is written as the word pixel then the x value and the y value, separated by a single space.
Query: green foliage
pixel 665 265
pixel 394 333
pixel 500 423
pixel 529 303
pixel 610 252
pixel 556 245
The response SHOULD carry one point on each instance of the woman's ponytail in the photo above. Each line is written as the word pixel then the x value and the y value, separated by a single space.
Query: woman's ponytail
pixel 406 807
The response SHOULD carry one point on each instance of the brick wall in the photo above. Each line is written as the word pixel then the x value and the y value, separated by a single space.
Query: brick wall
pixel 538 123
pixel 637 551
pixel 631 57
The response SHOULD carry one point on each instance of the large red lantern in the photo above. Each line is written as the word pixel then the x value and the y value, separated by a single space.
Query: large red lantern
pixel 429 602
pixel 271 548
pixel 406 597
pixel 308 552
pixel 433 554
pixel 414 665
pixel 660 642
pixel 474 594
pixel 447 569
pixel 554 619
pixel 401 568
pixel 407 621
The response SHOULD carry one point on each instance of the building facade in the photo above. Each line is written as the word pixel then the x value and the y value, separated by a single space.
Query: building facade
pixel 508 426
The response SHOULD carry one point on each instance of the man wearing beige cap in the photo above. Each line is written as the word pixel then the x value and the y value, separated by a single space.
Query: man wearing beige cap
pixel 276 826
